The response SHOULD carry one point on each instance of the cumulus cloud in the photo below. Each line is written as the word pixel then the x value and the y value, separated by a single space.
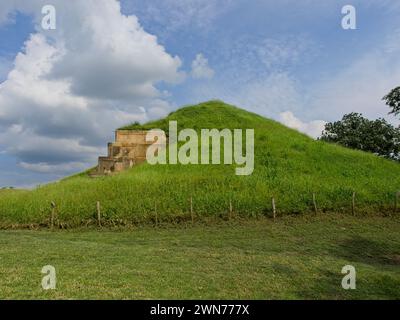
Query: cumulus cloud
pixel 71 87
pixel 313 129
pixel 201 69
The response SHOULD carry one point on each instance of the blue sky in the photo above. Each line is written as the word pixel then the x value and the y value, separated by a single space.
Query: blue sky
pixel 109 63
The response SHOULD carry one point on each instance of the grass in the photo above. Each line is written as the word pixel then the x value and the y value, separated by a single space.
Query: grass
pixel 295 257
pixel 288 166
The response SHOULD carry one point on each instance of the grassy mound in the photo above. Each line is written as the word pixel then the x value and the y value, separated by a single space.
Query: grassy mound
pixel 288 166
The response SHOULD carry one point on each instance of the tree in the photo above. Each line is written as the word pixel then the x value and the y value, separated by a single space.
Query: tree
pixel 393 100
pixel 356 132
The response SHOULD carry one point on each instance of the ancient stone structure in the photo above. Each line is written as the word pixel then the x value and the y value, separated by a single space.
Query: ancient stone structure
pixel 129 149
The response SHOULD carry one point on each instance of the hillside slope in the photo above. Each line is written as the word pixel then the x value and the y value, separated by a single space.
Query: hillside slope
pixel 288 166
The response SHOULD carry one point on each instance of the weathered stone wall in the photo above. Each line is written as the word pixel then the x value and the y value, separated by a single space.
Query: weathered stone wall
pixel 129 149
pixel 129 137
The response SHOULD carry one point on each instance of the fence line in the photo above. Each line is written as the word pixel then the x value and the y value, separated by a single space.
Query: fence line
pixel 54 209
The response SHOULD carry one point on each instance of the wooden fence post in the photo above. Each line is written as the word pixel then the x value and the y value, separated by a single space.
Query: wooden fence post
pixel 273 207
pixel 98 207
pixel 315 203
pixel 155 210
pixel 53 213
pixel 191 209
pixel 230 209
pixel 353 207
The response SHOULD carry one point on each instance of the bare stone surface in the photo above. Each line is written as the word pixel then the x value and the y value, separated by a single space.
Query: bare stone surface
pixel 128 150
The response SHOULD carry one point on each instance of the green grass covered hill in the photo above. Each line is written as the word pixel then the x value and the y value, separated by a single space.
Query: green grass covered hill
pixel 289 166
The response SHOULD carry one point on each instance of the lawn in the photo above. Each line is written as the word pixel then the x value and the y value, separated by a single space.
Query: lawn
pixel 294 257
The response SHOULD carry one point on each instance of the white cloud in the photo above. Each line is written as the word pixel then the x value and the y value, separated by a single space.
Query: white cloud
pixel 48 168
pixel 70 88
pixel 201 69
pixel 313 129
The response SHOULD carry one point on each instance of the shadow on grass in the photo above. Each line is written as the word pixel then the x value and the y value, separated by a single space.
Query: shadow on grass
pixel 359 249
pixel 284 269
pixel 370 286
pixel 378 280
pixel 326 286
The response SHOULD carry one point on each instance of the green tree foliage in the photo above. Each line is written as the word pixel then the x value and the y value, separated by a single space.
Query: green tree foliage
pixel 356 132
pixel 393 100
